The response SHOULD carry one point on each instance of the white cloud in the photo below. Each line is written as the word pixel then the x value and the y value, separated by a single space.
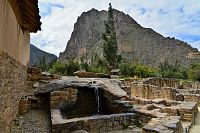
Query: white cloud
pixel 196 44
pixel 177 18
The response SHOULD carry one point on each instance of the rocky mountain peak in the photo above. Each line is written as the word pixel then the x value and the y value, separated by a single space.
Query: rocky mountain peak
pixel 135 42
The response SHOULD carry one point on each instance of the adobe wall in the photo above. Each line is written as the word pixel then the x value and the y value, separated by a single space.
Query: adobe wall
pixel 12 39
pixel 12 84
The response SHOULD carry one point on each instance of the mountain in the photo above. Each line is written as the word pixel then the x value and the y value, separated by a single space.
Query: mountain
pixel 135 42
pixel 37 55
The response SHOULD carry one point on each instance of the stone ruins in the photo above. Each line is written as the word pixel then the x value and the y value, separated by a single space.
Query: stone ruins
pixel 73 104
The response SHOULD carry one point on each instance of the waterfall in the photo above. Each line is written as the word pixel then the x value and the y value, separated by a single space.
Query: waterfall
pixel 97 100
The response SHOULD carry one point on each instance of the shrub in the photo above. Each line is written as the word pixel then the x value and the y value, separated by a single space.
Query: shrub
pixel 142 71
pixel 167 70
pixel 66 69
pixel 194 71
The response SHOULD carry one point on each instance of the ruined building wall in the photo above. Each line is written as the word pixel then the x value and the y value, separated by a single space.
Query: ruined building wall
pixel 13 40
pixel 190 85
pixel 163 82
pixel 152 92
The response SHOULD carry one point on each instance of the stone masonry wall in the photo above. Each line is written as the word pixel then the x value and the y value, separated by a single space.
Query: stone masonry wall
pixel 162 82
pixel 73 102
pixel 189 85
pixel 12 85
pixel 95 124
pixel 66 96
pixel 152 92
pixel 192 98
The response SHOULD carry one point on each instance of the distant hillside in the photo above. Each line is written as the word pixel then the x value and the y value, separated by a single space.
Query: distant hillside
pixel 37 54
pixel 136 43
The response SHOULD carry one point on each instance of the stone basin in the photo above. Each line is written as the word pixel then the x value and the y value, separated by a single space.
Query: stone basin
pixel 92 124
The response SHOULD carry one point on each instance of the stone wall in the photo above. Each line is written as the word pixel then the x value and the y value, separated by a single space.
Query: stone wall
pixel 151 92
pixel 73 102
pixel 151 88
pixel 93 124
pixel 80 102
pixel 13 40
pixel 162 82
pixel 191 98
pixel 66 96
pixel 12 85
pixel 189 85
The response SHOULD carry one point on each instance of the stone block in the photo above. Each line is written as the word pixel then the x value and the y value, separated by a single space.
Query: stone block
pixel 23 105
pixel 36 85
pixel 53 104
pixel 105 129
pixel 34 70
pixel 55 98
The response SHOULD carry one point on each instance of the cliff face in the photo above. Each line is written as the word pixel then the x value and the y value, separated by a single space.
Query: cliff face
pixel 134 41
pixel 37 55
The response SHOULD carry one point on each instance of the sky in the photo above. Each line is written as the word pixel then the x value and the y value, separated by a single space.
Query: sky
pixel 171 18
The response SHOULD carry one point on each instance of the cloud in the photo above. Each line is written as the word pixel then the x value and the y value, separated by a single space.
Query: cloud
pixel 175 18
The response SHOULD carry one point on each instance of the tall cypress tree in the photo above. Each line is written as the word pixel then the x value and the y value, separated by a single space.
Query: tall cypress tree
pixel 110 47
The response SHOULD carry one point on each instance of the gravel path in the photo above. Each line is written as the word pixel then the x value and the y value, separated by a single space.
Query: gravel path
pixel 34 121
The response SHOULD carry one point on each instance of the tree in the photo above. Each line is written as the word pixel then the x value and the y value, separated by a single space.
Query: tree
pixel 110 47
pixel 168 70
pixel 194 71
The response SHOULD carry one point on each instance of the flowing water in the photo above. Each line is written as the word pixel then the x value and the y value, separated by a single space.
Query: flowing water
pixel 97 100
pixel 196 128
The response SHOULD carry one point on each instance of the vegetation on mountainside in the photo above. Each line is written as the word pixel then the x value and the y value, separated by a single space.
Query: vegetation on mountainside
pixel 194 72
pixel 129 69
pixel 43 65
pixel 66 69
pixel 37 56
pixel 110 47
pixel 139 70
pixel 167 70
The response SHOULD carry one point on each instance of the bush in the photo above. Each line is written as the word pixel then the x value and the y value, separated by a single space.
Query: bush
pixel 127 70
pixel 43 65
pixel 172 71
pixel 194 71
pixel 142 71
pixel 66 69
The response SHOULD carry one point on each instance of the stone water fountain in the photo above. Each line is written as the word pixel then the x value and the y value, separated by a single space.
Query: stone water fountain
pixel 86 104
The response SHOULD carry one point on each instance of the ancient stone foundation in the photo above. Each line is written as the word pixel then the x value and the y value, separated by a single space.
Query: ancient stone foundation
pixel 12 85
pixel 151 92
pixel 167 102
pixel 93 124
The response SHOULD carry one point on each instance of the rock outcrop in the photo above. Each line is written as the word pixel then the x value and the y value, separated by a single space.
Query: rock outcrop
pixel 135 42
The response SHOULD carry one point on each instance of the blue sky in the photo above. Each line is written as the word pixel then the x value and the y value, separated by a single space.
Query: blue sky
pixel 173 18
